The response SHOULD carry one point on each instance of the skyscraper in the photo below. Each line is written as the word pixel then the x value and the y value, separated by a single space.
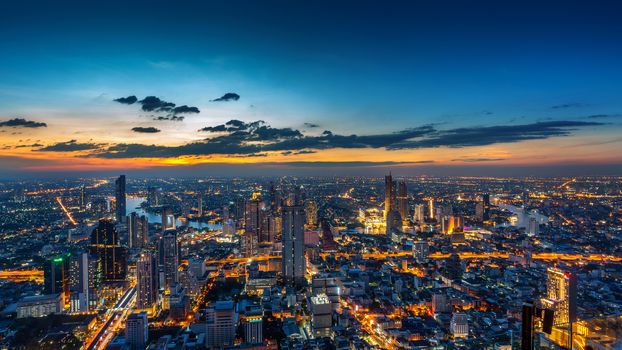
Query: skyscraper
pixel 137 230
pixel 168 219
pixel 221 322
pixel 146 281
pixel 293 243
pixel 111 258
pixel 82 198
pixel 389 194
pixel 486 204
pixel 120 198
pixel 561 295
pixel 421 251
pixel 402 200
pixel 169 257
pixel 136 330
pixel 311 214
pixel 200 206
pixel 80 280
pixel 56 277
pixel 419 215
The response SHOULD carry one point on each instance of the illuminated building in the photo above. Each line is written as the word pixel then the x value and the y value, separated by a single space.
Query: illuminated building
pixel 402 200
pixel 459 325
pixel 168 219
pixel 419 215
pixel 393 224
pixel 120 198
pixel 389 195
pixel 169 257
pixel 111 258
pixel 431 208
pixel 533 227
pixel 136 330
pixel 311 214
pixel 440 304
pixel 200 206
pixel 137 231
pixel 56 277
pixel 321 315
pixel 561 295
pixel 479 211
pixel 146 281
pixel 153 196
pixel 82 198
pixel 81 270
pixel 421 251
pixel 486 204
pixel 253 327
pixel 39 305
pixel 221 322
pixel 293 243
pixel 451 224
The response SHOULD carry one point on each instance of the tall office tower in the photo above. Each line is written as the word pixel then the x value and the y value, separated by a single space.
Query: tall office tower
pixel 133 234
pixel 80 276
pixel 293 244
pixel 153 196
pixel 252 214
pixel 321 315
pixel 561 295
pixel 275 201
pixel 168 219
pixel 486 204
pixel 146 281
pixel 311 213
pixel 253 327
pixel 453 267
pixel 136 330
pixel 402 200
pixel 200 206
pixel 479 211
pixel 421 251
pixel 240 210
pixel 221 322
pixel 275 228
pixel 120 198
pixel 111 258
pixel 440 304
pixel 56 277
pixel 419 215
pixel 393 223
pixel 431 208
pixel 451 224
pixel 533 227
pixel 459 325
pixel 169 257
pixel 82 198
pixel 389 194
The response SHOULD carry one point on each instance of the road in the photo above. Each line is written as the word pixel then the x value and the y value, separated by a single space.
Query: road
pixel 115 317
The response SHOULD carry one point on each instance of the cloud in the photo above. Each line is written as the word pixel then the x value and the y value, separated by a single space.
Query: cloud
pixel 229 96
pixel 311 125
pixel 154 104
pixel 185 109
pixel 31 145
pixel 175 118
pixel 569 105
pixel 477 160
pixel 17 122
pixel 242 138
pixel 70 146
pixel 603 116
pixel 127 100
pixel 148 130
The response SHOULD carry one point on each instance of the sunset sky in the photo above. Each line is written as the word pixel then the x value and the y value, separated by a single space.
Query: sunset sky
pixel 318 87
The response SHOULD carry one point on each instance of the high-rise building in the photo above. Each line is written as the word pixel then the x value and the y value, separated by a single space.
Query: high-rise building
pixel 153 196
pixel 137 231
pixel 402 200
pixel 82 198
pixel 293 243
pixel 451 224
pixel 169 257
pixel 533 227
pixel 431 208
pixel 479 211
pixel 111 258
pixel 389 195
pixel 80 280
pixel 421 251
pixel 137 330
pixel 168 219
pixel 321 315
pixel 419 215
pixel 56 277
pixel 486 204
pixel 221 322
pixel 459 325
pixel 253 327
pixel 561 295
pixel 146 281
pixel 200 206
pixel 120 198
pixel 311 212
pixel 453 267
pixel 393 223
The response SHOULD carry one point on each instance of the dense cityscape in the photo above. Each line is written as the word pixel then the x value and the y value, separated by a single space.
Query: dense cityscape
pixel 311 263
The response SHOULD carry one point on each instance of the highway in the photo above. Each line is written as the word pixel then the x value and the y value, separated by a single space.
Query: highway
pixel 115 317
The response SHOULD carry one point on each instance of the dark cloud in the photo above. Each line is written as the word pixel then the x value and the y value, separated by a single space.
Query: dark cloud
pixel 148 130
pixel 185 110
pixel 154 104
pixel 229 96
pixel 311 125
pixel 126 100
pixel 241 138
pixel 175 118
pixel 31 145
pixel 70 146
pixel 603 116
pixel 17 122
pixel 569 105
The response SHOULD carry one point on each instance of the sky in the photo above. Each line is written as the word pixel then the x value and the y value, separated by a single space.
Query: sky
pixel 310 87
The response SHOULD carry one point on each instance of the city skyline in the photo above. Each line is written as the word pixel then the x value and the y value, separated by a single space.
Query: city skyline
pixel 472 89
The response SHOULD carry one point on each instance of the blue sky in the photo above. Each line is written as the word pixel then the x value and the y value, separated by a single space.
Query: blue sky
pixel 351 67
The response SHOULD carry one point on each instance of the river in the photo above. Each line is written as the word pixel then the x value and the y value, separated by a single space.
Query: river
pixel 133 204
